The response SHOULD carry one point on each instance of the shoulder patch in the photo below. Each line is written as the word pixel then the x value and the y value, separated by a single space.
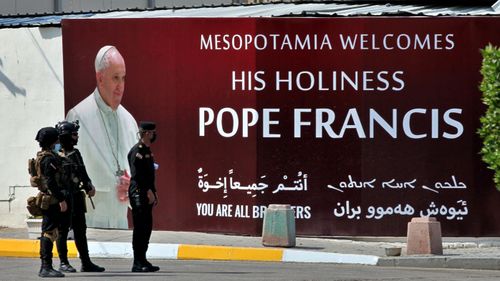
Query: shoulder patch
pixel 138 155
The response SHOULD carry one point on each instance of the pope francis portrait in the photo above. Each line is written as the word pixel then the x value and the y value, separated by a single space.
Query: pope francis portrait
pixel 107 133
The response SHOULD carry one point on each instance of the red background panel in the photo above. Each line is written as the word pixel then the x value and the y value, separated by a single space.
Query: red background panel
pixel 169 78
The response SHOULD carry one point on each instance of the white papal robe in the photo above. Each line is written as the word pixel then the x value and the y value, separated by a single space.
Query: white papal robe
pixel 105 137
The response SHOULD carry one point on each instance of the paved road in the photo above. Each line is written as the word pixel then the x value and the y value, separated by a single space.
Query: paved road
pixel 25 269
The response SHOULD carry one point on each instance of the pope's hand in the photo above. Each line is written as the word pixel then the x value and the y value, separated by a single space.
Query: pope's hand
pixel 122 187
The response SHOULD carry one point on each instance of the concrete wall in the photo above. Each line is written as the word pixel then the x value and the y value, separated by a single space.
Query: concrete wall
pixel 31 97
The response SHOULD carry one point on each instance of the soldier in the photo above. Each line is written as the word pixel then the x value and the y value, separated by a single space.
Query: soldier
pixel 142 195
pixel 53 203
pixel 76 183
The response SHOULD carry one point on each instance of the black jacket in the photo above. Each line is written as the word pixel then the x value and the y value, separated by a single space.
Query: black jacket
pixel 142 170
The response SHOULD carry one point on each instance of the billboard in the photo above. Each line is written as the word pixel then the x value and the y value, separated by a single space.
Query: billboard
pixel 359 124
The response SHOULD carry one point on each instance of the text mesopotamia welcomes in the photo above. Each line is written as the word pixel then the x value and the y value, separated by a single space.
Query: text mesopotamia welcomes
pixel 315 42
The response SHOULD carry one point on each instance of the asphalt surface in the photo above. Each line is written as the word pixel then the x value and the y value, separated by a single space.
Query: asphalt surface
pixel 26 269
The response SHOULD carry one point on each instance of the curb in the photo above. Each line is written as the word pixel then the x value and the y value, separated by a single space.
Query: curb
pixel 30 248
pixel 487 263
pixel 204 252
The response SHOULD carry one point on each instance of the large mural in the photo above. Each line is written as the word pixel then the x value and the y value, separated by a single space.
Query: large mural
pixel 359 124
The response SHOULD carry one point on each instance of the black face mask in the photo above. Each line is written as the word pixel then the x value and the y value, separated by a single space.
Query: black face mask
pixel 153 138
pixel 67 142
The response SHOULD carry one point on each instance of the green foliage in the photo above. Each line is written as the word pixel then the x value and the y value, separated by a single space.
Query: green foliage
pixel 490 122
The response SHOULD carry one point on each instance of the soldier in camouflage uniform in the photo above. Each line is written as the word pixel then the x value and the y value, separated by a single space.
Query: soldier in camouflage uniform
pixel 77 184
pixel 49 165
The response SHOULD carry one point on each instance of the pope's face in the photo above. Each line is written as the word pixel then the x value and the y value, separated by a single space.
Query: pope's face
pixel 111 80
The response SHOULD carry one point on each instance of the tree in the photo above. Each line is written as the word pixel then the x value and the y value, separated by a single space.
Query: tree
pixel 490 121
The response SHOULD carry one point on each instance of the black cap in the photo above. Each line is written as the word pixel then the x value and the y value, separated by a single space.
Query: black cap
pixel 47 136
pixel 147 126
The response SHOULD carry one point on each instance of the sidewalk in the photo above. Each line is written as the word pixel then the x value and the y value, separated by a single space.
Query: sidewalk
pixel 470 253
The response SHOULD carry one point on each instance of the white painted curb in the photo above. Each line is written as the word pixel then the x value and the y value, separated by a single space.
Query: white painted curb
pixel 322 257
pixel 163 251
pixel 124 250
pixel 170 251
pixel 110 249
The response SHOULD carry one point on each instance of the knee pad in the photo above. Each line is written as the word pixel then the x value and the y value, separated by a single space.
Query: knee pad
pixel 51 234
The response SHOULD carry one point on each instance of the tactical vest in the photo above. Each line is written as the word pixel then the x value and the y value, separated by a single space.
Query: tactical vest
pixel 71 172
pixel 36 178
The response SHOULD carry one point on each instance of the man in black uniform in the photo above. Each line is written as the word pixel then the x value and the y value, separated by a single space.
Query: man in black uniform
pixel 142 195
pixel 50 171
pixel 76 183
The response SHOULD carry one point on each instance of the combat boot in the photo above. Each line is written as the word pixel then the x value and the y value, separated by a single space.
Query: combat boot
pixel 49 272
pixel 89 266
pixel 151 268
pixel 46 269
pixel 139 266
pixel 66 267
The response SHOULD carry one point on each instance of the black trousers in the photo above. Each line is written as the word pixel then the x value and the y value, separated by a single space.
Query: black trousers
pixel 73 218
pixel 50 222
pixel 142 216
